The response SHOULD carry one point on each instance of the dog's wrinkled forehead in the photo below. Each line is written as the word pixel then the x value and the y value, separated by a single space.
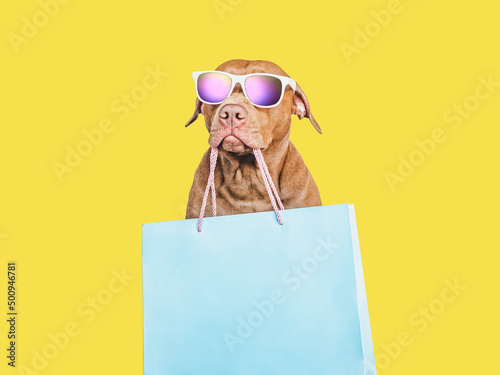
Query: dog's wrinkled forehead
pixel 242 67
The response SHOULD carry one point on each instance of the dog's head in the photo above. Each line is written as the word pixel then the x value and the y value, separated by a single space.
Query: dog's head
pixel 236 125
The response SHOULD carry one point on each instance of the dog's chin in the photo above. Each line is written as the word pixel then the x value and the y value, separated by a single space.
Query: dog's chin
pixel 235 145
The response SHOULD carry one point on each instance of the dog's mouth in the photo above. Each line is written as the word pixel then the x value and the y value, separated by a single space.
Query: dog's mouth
pixel 231 143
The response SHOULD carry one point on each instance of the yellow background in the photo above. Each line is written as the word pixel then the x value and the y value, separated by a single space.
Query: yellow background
pixel 67 237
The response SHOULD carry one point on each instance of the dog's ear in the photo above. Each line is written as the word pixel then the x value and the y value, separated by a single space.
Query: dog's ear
pixel 302 109
pixel 197 111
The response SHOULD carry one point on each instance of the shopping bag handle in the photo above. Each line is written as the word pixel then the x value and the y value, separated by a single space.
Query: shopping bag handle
pixel 266 176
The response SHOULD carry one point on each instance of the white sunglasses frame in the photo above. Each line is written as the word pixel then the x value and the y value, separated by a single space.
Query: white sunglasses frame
pixel 285 81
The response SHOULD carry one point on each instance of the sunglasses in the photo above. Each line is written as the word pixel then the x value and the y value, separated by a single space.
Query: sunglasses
pixel 261 89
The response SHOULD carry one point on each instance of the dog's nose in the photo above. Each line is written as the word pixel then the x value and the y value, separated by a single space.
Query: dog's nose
pixel 233 115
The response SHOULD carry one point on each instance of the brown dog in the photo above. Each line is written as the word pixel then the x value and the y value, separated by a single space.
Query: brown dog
pixel 236 127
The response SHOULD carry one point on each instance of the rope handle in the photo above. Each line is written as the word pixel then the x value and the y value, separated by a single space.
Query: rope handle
pixel 266 176
pixel 210 184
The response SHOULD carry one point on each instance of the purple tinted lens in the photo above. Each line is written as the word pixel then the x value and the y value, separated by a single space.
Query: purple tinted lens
pixel 263 90
pixel 213 87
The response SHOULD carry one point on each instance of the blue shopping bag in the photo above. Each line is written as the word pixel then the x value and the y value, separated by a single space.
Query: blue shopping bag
pixel 248 296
